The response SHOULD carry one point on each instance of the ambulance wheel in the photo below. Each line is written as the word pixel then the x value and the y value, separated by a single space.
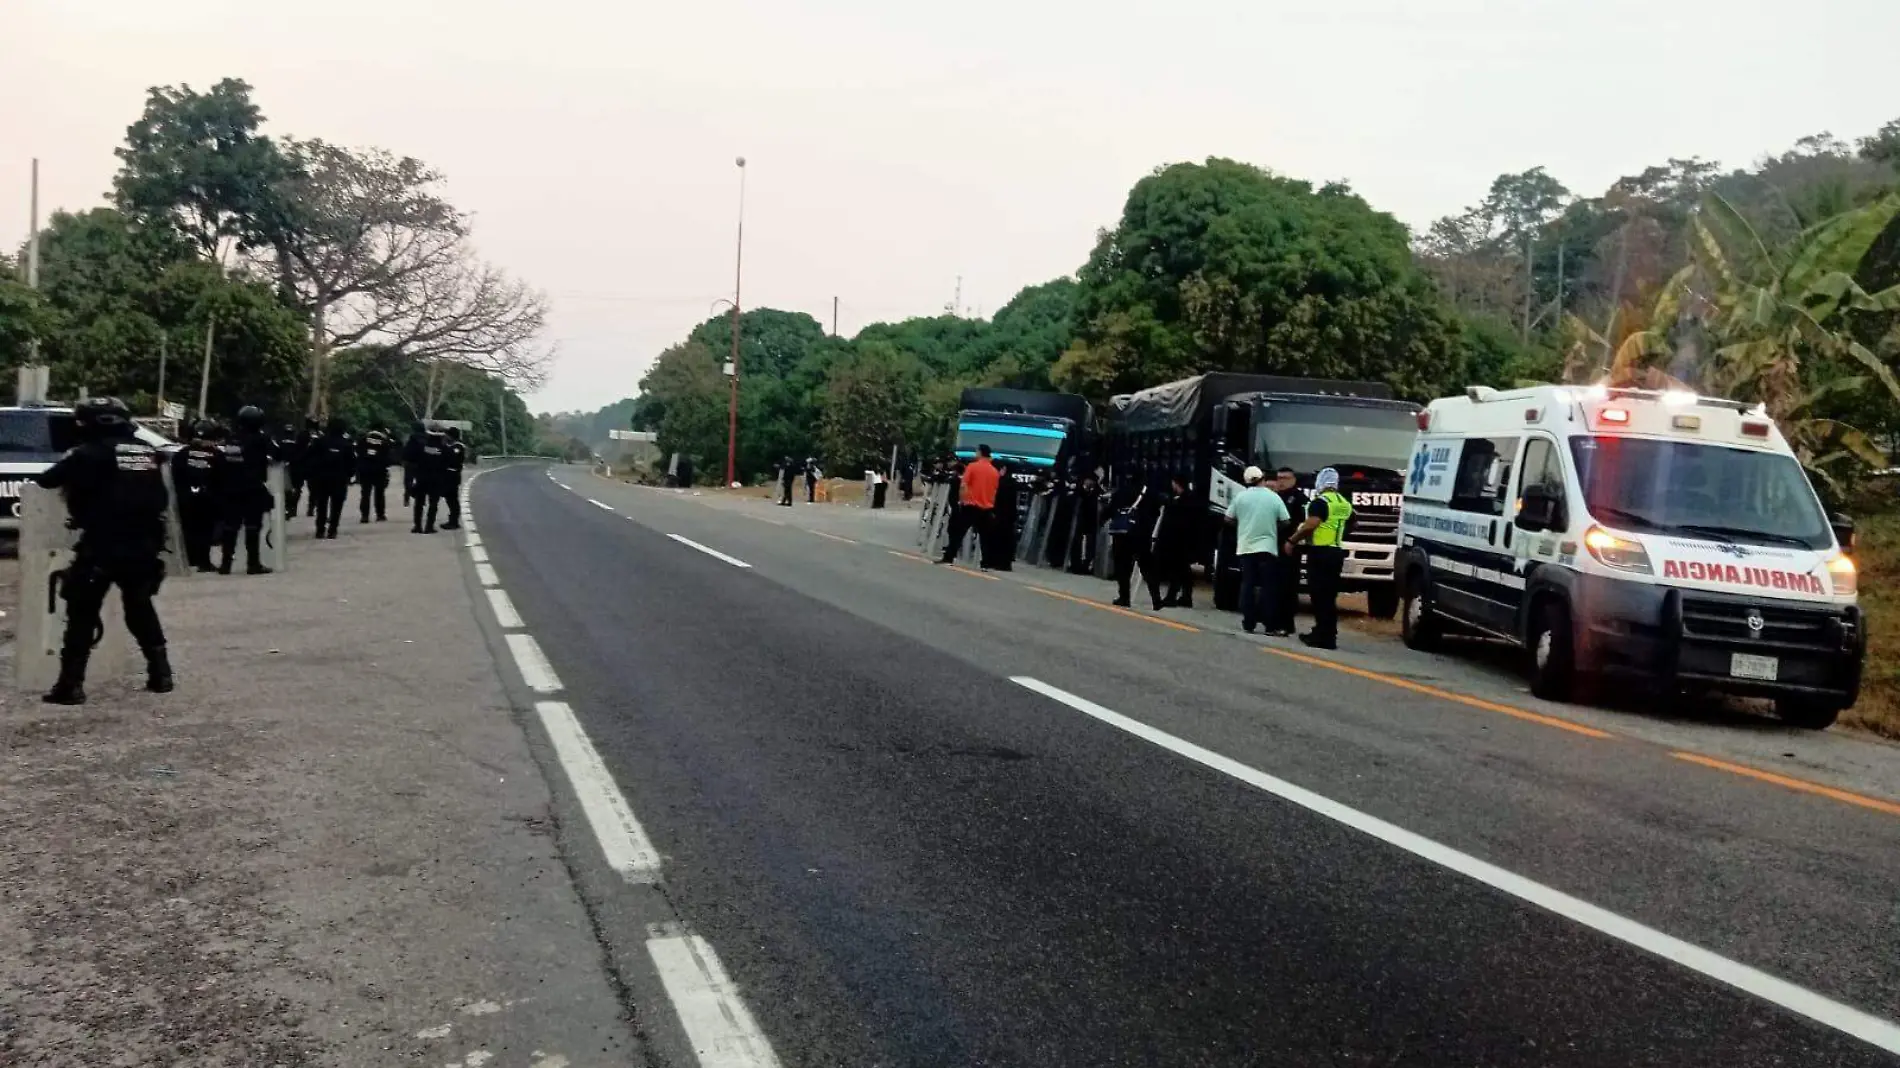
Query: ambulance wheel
pixel 1382 602
pixel 1419 627
pixel 1807 712
pixel 1553 652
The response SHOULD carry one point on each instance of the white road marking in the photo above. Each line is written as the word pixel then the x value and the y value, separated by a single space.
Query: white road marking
pixel 535 669
pixel 714 553
pixel 598 504
pixel 486 573
pixel 473 538
pixel 478 554
pixel 716 1019
pixel 622 840
pixel 504 609
pixel 1844 1018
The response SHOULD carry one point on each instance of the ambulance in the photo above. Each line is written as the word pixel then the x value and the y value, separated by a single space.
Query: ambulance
pixel 1661 538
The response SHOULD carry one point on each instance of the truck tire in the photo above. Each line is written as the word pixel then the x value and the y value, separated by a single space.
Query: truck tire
pixel 1382 601
pixel 1419 626
pixel 1552 651
pixel 1808 713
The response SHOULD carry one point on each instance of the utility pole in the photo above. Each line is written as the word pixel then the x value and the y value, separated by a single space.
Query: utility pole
pixel 738 275
pixel 33 254
pixel 204 375
pixel 501 398
pixel 834 317
pixel 161 374
pixel 955 307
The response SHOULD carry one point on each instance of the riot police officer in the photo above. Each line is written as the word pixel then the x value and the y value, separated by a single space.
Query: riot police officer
pixel 454 455
pixel 374 453
pixel 427 457
pixel 245 496
pixel 296 466
pixel 328 466
pixel 411 461
pixel 196 473
pixel 115 498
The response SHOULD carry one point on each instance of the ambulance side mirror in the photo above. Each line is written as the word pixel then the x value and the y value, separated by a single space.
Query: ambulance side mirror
pixel 1540 509
pixel 1843 531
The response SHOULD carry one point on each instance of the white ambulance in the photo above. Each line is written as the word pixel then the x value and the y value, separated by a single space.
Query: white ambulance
pixel 1664 537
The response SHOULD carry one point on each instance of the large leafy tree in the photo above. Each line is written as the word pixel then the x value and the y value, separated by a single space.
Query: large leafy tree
pixel 196 163
pixel 1223 266
pixel 872 405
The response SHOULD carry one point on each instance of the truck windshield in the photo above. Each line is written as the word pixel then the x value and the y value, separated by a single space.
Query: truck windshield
pixel 1307 436
pixel 1700 490
pixel 1034 445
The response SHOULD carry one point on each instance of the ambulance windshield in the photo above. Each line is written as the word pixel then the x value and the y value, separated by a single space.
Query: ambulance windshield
pixel 1699 490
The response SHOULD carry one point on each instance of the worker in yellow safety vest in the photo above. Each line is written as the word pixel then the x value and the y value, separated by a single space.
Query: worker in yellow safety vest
pixel 1325 526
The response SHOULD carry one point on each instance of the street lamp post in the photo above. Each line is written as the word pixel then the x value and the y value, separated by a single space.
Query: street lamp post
pixel 732 405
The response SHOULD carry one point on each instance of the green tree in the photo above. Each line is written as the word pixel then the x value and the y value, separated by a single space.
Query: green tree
pixel 196 164
pixel 1223 266
pixel 684 400
pixel 872 405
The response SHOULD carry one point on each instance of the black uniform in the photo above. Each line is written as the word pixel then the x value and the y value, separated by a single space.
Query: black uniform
pixel 411 450
pixel 197 471
pixel 244 497
pixel 374 453
pixel 454 455
pixel 115 498
pixel 1286 585
pixel 297 467
pixel 427 459
pixel 329 465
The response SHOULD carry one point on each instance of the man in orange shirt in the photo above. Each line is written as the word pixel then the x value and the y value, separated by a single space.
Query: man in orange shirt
pixel 976 507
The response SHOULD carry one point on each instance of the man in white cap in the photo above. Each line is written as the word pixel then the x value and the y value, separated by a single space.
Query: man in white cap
pixel 1257 513
pixel 1325 525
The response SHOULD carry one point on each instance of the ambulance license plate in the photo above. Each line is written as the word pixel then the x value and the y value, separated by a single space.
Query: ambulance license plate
pixel 1750 666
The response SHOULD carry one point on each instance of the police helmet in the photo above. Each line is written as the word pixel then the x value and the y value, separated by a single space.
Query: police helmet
pixel 250 416
pixel 97 413
pixel 206 429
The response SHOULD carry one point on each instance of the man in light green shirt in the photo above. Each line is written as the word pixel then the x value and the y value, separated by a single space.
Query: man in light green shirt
pixel 1257 513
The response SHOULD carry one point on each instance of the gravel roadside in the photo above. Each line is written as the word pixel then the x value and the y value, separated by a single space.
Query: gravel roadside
pixel 331 846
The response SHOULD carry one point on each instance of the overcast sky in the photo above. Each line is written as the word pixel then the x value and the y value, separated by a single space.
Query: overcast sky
pixel 893 146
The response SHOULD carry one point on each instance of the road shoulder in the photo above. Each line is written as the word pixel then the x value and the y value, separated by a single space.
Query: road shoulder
pixel 331 846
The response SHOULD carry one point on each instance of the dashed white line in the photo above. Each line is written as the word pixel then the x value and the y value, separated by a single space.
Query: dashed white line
pixel 714 553
pixel 486 573
pixel 534 666
pixel 473 538
pixel 622 841
pixel 1844 1018
pixel 598 504
pixel 715 1017
pixel 478 554
pixel 504 609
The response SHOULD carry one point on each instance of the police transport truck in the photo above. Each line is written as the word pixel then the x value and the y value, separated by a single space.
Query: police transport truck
pixel 1664 536
pixel 1210 428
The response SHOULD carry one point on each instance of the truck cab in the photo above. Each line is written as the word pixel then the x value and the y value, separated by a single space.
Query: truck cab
pixel 1656 535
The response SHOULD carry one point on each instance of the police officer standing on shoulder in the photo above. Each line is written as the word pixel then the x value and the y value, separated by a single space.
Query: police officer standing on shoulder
pixel 115 498
pixel 411 461
pixel 374 453
pixel 430 454
pixel 1325 526
pixel 197 473
pixel 330 462
pixel 297 466
pixel 454 455
pixel 246 497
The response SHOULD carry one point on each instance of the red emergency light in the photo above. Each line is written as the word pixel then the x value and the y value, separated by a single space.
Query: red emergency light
pixel 1424 419
pixel 1616 416
pixel 1755 430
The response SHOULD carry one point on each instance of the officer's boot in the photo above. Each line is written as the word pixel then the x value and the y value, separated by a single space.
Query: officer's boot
pixel 224 563
pixel 70 689
pixel 158 670
pixel 253 564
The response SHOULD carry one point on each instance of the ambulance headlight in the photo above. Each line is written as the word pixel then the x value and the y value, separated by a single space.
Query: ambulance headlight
pixel 1843 575
pixel 1620 554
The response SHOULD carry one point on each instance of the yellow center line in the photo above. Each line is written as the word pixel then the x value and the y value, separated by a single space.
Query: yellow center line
pixel 958 568
pixel 1117 609
pixel 1801 785
pixel 907 556
pixel 834 537
pixel 1447 695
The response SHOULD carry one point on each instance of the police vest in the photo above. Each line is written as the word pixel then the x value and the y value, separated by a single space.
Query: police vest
pixel 1332 529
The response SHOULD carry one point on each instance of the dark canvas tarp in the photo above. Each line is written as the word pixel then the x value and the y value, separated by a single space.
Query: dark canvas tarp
pixel 1187 402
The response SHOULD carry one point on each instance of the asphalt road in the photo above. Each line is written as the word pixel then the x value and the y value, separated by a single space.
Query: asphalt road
pixel 904 857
